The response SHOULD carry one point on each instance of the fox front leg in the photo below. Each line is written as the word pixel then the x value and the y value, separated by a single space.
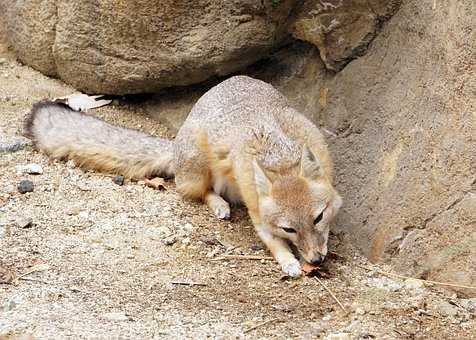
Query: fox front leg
pixel 281 252
pixel 218 206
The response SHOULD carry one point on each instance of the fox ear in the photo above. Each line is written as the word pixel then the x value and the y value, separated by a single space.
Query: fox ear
pixel 310 164
pixel 263 184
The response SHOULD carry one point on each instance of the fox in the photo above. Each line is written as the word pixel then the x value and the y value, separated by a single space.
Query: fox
pixel 241 144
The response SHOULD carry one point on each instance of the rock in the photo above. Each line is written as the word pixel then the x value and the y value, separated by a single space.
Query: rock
pixel 25 186
pixel 414 284
pixel 188 228
pixel 119 180
pixel 341 30
pixel 3 61
pixel 12 303
pixel 14 146
pixel 116 317
pixel 338 336
pixel 385 283
pixel 359 311
pixel 70 164
pixel 469 305
pixel 32 169
pixel 164 231
pixel 143 46
pixel 170 240
pixel 8 189
pixel 84 215
pixel 444 308
pixel 73 211
pixel 3 230
pixel 24 222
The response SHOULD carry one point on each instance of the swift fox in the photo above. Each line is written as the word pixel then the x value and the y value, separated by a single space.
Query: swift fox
pixel 241 143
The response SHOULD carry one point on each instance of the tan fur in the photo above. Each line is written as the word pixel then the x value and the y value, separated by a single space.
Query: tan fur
pixel 241 143
pixel 94 144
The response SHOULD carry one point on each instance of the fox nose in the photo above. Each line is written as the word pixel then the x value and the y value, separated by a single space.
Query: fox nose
pixel 318 259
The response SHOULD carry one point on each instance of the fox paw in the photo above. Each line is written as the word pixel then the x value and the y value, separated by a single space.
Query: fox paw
pixel 292 268
pixel 222 211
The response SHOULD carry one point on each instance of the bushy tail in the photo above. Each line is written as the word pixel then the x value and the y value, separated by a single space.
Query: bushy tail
pixel 94 144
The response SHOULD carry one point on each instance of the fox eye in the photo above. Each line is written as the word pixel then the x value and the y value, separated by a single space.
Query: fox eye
pixel 319 218
pixel 289 230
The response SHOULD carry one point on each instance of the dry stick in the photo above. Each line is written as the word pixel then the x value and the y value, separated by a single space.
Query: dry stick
pixel 34 269
pixel 332 294
pixel 242 257
pixel 183 283
pixel 260 325
pixel 413 278
pixel 34 280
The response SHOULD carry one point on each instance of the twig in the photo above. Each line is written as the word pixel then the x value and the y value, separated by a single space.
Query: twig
pixel 242 257
pixel 337 254
pixel 332 294
pixel 448 284
pixel 183 283
pixel 260 325
pixel 34 269
pixel 329 132
pixel 34 280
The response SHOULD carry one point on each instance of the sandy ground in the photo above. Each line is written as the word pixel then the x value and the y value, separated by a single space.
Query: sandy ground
pixel 110 265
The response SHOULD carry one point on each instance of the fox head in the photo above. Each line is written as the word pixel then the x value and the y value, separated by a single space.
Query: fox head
pixel 299 207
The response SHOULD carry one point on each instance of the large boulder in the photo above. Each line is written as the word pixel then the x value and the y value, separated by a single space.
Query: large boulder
pixel 405 119
pixel 119 47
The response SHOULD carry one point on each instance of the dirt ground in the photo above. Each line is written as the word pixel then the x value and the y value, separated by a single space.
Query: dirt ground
pixel 112 258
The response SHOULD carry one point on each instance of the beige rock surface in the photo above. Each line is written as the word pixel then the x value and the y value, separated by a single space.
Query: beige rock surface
pixel 142 46
pixel 341 30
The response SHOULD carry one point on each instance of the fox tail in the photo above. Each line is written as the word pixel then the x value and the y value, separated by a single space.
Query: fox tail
pixel 92 143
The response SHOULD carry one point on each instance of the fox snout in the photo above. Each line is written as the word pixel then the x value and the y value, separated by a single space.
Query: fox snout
pixel 313 247
pixel 314 257
pixel 317 259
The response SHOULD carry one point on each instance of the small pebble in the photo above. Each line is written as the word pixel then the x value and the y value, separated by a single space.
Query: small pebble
pixel 119 180
pixel 8 189
pixel 164 231
pixel 170 240
pixel 32 169
pixel 469 304
pixel 256 247
pixel 3 231
pixel 70 164
pixel 414 284
pixel 188 228
pixel 12 303
pixel 116 316
pixel 338 336
pixel 24 222
pixel 25 186
pixel 84 215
